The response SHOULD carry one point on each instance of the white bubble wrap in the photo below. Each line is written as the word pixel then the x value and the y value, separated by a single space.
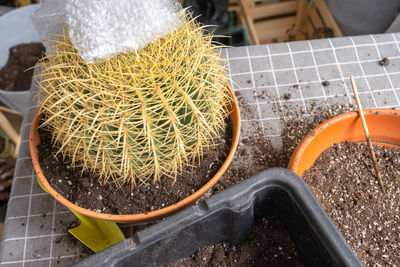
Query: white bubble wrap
pixel 101 29
pixel 49 18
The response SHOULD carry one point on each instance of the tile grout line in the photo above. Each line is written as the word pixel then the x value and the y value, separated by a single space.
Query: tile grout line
pixel 264 119
pixel 33 237
pixel 363 72
pixel 27 221
pixel 313 66
pixel 315 81
pixel 230 72
pixel 21 196
pixel 24 141
pixel 317 69
pixel 321 97
pixel 52 230
pixel 384 68
pixel 26 124
pixel 296 77
pixel 34 215
pixel 36 260
pixel 275 84
pixel 20 159
pixel 229 66
pixel 397 44
pixel 23 177
pixel 316 50
pixel 305 98
pixel 252 80
pixel 340 71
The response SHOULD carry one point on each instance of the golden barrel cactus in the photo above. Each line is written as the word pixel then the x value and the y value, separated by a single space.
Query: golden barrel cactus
pixel 139 115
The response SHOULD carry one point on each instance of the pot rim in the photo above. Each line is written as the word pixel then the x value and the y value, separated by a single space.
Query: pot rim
pixel 138 217
pixel 295 160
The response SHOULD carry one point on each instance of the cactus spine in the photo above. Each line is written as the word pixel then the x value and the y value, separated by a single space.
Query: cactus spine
pixel 140 115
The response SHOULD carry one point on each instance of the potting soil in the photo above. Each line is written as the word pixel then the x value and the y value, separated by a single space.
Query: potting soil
pixel 344 181
pixel 269 244
pixel 86 191
pixel 16 75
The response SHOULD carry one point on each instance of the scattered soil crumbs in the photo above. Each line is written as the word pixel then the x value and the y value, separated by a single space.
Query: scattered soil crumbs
pixel 344 182
pixel 253 155
pixel 71 246
pixel 268 245
pixel 88 193
pixel 14 76
pixel 384 62
pixel 256 152
pixel 286 96
pixel 295 129
pixel 326 83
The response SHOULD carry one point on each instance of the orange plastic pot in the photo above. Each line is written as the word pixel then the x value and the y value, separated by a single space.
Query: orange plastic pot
pixel 140 217
pixel 383 126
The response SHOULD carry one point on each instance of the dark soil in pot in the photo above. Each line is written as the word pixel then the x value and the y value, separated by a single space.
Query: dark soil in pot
pixel 15 76
pixel 344 182
pixel 85 190
pixel 269 244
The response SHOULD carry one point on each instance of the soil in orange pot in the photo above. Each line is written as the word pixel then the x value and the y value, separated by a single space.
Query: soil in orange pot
pixel 344 182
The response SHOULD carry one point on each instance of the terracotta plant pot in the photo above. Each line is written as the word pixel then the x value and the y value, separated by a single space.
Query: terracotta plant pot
pixel 383 126
pixel 34 140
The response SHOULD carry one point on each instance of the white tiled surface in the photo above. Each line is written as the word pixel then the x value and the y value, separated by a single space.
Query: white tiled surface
pixel 36 225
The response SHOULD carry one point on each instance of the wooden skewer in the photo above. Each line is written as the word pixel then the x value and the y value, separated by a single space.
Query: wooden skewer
pixel 364 123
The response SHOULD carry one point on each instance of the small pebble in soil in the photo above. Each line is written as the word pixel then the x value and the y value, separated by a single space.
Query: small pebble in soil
pixel 286 96
pixel 384 62
pixel 326 83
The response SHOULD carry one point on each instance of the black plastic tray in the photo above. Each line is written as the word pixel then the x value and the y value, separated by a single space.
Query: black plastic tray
pixel 229 216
